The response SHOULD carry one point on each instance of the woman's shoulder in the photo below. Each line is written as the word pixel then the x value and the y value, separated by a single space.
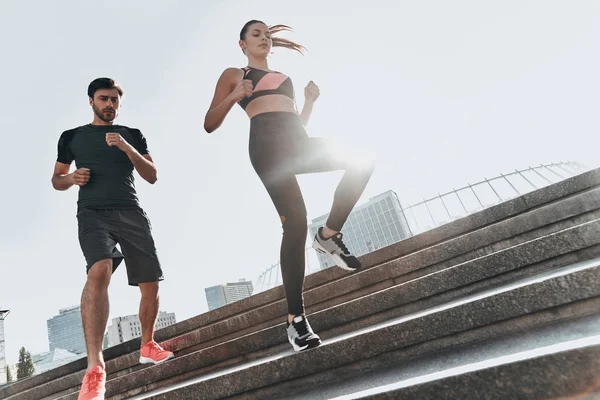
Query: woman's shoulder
pixel 234 71
pixel 232 75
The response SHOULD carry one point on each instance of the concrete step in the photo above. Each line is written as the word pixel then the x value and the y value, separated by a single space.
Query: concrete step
pixel 575 287
pixel 565 372
pixel 429 376
pixel 549 252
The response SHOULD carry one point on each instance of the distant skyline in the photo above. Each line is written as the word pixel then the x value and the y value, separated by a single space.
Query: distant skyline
pixel 444 93
pixel 228 292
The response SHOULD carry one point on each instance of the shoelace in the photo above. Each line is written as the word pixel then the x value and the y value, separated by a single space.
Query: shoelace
pixel 301 327
pixel 337 239
pixel 94 379
pixel 154 347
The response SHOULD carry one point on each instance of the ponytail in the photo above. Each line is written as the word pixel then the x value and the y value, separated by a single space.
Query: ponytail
pixel 281 42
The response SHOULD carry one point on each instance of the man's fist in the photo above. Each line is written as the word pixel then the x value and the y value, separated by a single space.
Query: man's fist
pixel 80 176
pixel 114 139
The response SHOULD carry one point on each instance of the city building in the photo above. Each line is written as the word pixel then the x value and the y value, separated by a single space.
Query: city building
pixel 123 329
pixel 377 223
pixel 65 331
pixel 220 295
pixel 53 359
pixel 3 314
pixel 215 296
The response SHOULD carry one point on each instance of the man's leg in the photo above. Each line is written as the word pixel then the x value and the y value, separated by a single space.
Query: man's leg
pixel 150 351
pixel 143 270
pixel 94 315
pixel 148 310
pixel 94 310
pixel 98 245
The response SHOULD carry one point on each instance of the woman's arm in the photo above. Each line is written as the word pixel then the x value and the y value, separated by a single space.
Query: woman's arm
pixel 311 94
pixel 230 89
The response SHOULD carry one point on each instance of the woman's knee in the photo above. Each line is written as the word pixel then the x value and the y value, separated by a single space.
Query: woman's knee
pixel 294 223
pixel 365 164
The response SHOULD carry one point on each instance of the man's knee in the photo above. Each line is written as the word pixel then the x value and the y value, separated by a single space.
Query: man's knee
pixel 149 289
pixel 100 272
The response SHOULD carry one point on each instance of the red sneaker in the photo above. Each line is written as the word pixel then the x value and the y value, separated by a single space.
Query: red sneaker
pixel 152 353
pixel 93 386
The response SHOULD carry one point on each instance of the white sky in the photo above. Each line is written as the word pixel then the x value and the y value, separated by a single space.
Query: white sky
pixel 445 92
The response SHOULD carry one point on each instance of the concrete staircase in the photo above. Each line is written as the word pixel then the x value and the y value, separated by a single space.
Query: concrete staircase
pixel 502 304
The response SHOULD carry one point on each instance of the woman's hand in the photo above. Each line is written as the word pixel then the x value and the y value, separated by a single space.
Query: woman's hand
pixel 311 92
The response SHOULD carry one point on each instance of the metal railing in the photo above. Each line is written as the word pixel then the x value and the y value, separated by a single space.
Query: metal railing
pixel 457 203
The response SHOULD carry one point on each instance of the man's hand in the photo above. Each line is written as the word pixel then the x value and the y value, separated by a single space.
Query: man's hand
pixel 80 176
pixel 115 139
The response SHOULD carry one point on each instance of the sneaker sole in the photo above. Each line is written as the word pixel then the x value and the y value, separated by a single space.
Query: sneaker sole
pixel 148 360
pixel 339 261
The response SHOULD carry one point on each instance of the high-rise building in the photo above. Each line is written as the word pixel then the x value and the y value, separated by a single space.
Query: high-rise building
pixel 129 327
pixel 53 359
pixel 215 296
pixel 3 314
pixel 220 295
pixel 65 331
pixel 235 291
pixel 378 223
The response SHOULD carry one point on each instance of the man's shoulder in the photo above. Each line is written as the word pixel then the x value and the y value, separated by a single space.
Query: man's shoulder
pixel 132 130
pixel 73 130
pixel 67 136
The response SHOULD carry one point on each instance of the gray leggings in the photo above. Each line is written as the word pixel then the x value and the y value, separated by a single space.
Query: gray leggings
pixel 279 150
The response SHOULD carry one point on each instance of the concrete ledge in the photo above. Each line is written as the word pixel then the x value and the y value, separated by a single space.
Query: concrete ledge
pixel 553 290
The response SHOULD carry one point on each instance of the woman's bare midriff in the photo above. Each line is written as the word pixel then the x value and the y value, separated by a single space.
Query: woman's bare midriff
pixel 271 103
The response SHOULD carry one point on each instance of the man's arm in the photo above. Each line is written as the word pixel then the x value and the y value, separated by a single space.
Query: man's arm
pixel 143 164
pixel 63 180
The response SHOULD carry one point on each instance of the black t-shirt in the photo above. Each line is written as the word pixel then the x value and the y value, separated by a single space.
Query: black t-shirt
pixel 111 183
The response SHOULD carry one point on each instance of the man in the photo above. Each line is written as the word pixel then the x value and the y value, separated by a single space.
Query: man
pixel 108 213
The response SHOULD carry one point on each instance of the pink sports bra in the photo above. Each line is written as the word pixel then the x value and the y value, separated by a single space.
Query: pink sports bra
pixel 265 83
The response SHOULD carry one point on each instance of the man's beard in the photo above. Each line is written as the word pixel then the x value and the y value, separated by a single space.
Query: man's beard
pixel 109 117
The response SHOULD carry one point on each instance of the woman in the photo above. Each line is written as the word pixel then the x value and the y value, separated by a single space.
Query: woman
pixel 279 150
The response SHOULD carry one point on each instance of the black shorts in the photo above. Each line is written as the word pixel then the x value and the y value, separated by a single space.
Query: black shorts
pixel 101 230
